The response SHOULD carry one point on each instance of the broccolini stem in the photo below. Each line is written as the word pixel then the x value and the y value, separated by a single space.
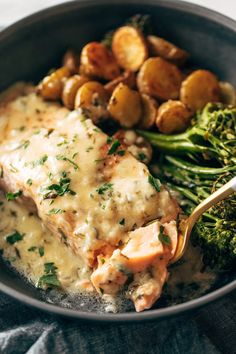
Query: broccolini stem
pixel 199 170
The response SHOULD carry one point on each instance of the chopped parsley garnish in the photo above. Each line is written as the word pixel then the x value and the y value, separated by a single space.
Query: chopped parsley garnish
pixel 55 211
pixel 109 140
pixel 101 290
pixel 24 144
pixel 13 168
pixel 104 188
pixel 32 249
pixel 1 172
pixel 164 238
pixel 49 279
pixel 122 222
pixel 114 147
pixel 29 182
pixel 13 196
pixel 15 237
pixel 54 190
pixel 121 152
pixel 41 251
pixel 141 156
pixel 38 162
pixel 155 183
pixel 64 158
pixel 102 260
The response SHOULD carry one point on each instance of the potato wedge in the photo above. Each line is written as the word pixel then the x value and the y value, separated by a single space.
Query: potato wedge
pixel 129 48
pixel 51 86
pixel 93 98
pixel 97 61
pixel 162 48
pixel 227 93
pixel 136 144
pixel 149 115
pixel 199 88
pixel 70 89
pixel 160 79
pixel 173 117
pixel 127 77
pixel 125 106
pixel 71 61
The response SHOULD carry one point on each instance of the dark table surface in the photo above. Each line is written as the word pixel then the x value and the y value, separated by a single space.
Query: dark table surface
pixel 210 330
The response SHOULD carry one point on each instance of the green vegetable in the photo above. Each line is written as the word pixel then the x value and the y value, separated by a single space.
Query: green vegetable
pixel 13 196
pixel 55 211
pixel 41 251
pixel 54 190
pixel 29 182
pixel 163 238
pixel 49 279
pixel 14 237
pixel 64 158
pixel 155 183
pixel 104 188
pixel 213 136
pixel 206 159
pixel 113 147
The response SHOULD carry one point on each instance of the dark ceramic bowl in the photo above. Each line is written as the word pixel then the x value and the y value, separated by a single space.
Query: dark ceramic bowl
pixel 35 44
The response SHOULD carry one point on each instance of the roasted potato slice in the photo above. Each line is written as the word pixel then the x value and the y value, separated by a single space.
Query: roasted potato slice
pixel 71 61
pixel 173 117
pixel 125 106
pixel 93 98
pixel 129 47
pixel 149 112
pixel 127 77
pixel 137 145
pixel 162 48
pixel 98 61
pixel 70 89
pixel 159 79
pixel 227 93
pixel 199 88
pixel 51 86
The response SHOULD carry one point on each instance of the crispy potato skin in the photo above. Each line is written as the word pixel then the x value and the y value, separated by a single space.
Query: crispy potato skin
pixel 71 61
pixel 127 77
pixel 92 97
pixel 97 61
pixel 70 89
pixel 162 48
pixel 125 106
pixel 149 115
pixel 51 86
pixel 173 117
pixel 160 79
pixel 199 88
pixel 129 48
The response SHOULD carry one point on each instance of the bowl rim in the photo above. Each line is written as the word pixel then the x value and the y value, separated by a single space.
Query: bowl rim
pixel 149 315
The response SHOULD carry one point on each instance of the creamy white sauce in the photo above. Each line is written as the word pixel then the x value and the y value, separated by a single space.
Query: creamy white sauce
pixel 132 198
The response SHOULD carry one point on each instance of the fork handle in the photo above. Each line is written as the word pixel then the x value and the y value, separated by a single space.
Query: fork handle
pixel 222 193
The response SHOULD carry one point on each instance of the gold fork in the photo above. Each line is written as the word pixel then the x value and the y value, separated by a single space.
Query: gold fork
pixel 188 224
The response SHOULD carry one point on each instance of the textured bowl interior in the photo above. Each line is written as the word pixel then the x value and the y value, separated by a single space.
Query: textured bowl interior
pixel 33 46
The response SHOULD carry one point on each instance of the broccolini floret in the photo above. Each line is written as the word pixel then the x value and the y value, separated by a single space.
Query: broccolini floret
pixel 200 161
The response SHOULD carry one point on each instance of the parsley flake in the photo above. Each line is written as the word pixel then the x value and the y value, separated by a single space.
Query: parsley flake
pixel 13 196
pixel 55 211
pixel 114 147
pixel 14 237
pixel 155 182
pixel 164 238
pixel 104 188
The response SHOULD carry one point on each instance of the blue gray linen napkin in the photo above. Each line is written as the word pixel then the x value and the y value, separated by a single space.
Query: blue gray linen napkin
pixel 211 330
